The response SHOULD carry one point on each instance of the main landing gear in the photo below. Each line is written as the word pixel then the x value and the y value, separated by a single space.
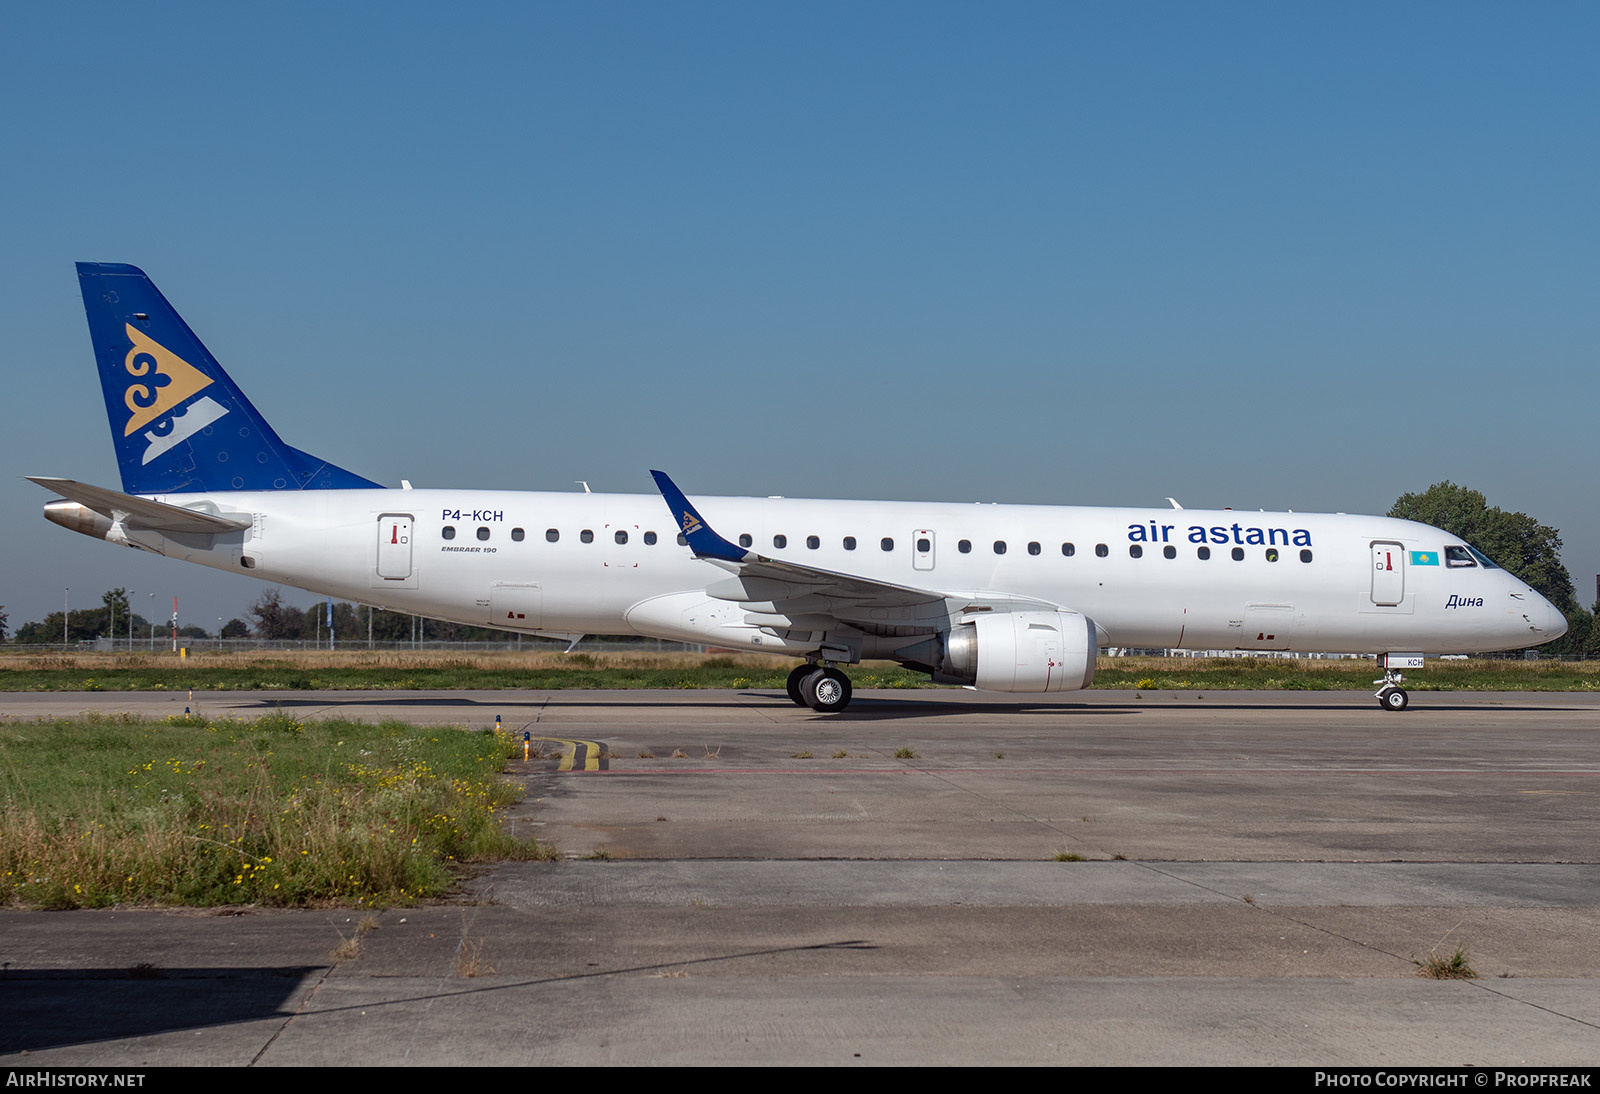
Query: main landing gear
pixel 823 688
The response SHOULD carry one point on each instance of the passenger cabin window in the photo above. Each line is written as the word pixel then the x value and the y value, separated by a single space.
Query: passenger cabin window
pixel 1068 550
pixel 886 543
pixel 812 542
pixel 587 535
pixel 1305 556
pixel 1169 551
pixel 1135 551
pixel 683 540
pixel 621 537
pixel 1101 550
pixel 965 546
pixel 1202 553
pixel 650 539
pixel 449 531
pixel 1238 554
pixel 746 540
pixel 483 533
pixel 551 535
pixel 924 545
pixel 999 546
pixel 1458 556
pixel 1034 548
pixel 1272 554
pixel 780 541
pixel 849 543
pixel 518 535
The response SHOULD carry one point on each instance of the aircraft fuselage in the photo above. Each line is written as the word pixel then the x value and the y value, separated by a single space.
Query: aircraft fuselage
pixel 568 563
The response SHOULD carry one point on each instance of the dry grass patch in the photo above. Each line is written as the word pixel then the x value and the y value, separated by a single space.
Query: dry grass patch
pixel 1450 965
pixel 469 959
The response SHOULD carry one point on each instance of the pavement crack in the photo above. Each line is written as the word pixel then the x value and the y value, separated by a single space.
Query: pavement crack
pixel 1482 986
pixel 283 1026
pixel 461 949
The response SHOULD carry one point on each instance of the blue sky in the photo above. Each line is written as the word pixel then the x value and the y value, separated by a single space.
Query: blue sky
pixel 1262 255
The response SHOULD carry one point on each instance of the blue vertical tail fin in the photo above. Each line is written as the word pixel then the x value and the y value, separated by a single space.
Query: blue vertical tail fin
pixel 177 421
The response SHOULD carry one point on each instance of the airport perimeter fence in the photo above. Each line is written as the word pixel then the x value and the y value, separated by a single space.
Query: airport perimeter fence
pixel 1297 655
pixel 164 643
pixel 600 644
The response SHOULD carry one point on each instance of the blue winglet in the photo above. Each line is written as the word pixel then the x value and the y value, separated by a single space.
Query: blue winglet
pixel 702 540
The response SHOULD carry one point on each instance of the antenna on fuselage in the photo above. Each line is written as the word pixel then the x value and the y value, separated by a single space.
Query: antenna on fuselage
pixel 1174 502
pixel 583 484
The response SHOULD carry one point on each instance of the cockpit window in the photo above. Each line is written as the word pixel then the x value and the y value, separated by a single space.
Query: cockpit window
pixel 1458 556
pixel 1483 559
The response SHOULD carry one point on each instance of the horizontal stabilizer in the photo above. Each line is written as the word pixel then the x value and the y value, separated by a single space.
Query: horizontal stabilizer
pixel 132 512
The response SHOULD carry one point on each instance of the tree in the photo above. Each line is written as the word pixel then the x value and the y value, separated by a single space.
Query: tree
pixel 83 625
pixel 1580 636
pixel 3 618
pixel 115 603
pixel 273 618
pixel 1523 546
pixel 316 621
pixel 235 628
pixel 1526 548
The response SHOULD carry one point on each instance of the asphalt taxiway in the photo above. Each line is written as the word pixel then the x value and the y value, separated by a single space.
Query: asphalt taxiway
pixel 933 877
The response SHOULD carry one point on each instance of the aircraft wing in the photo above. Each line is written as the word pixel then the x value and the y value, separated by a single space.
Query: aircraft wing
pixel 794 595
pixel 141 513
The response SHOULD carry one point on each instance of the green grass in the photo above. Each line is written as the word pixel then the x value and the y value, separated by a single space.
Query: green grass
pixel 354 670
pixel 1152 676
pixel 96 811
pixel 216 673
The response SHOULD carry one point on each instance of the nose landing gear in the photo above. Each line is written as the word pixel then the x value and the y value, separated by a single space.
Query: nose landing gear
pixel 1391 696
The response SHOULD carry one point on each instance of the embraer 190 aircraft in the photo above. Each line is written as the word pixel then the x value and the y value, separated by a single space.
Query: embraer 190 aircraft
pixel 1009 598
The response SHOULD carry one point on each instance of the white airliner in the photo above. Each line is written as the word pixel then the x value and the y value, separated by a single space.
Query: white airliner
pixel 1007 598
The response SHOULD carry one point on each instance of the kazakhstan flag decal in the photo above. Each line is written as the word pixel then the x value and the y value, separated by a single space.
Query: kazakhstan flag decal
pixel 1424 558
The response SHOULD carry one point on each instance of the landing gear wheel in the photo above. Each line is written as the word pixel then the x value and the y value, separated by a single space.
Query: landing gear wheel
pixel 1391 696
pixel 1393 699
pixel 795 678
pixel 826 691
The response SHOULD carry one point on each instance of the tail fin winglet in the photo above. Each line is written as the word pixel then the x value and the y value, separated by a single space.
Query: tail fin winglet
pixel 704 542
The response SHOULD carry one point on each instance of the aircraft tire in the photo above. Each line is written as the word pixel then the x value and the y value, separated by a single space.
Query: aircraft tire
pixel 1393 699
pixel 795 679
pixel 827 691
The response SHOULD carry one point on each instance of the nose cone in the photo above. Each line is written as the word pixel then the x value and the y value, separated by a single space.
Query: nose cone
pixel 1530 618
pixel 1555 624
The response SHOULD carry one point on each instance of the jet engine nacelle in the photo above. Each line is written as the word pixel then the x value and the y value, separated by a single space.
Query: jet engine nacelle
pixel 1021 651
